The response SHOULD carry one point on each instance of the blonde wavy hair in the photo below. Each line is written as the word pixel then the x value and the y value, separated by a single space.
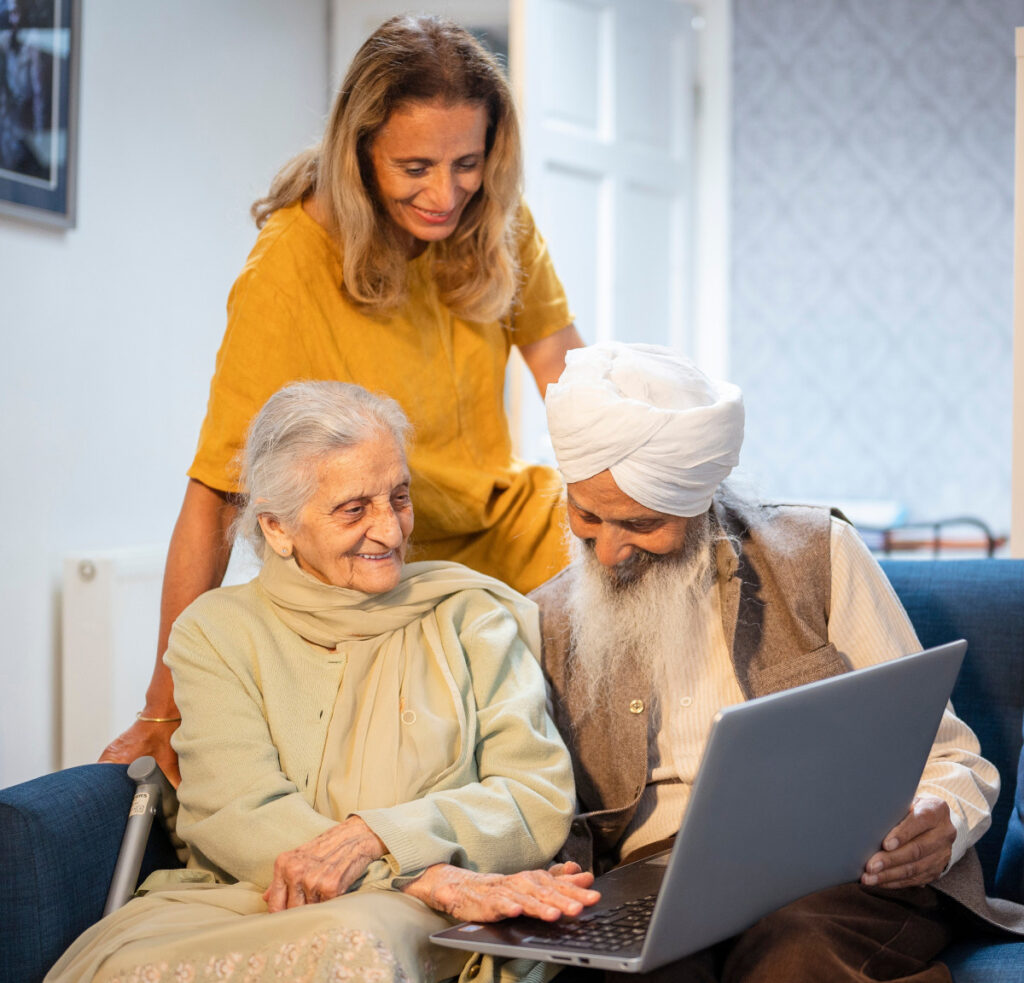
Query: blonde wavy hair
pixel 414 59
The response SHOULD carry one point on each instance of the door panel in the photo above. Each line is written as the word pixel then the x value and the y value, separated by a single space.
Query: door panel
pixel 608 116
pixel 576 201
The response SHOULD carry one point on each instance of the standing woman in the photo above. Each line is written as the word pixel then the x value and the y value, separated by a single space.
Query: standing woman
pixel 397 254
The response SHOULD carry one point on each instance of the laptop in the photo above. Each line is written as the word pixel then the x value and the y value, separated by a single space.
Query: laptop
pixel 796 790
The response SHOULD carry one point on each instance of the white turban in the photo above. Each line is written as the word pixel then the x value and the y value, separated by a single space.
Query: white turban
pixel 668 434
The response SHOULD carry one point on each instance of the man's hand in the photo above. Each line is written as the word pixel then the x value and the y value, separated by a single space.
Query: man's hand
pixel 917 851
pixel 469 896
pixel 325 867
pixel 144 737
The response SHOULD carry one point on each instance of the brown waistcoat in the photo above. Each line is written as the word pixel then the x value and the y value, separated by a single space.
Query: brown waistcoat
pixel 775 597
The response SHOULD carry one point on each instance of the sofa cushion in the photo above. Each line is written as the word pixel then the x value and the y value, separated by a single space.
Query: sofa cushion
pixel 59 840
pixel 980 600
pixel 989 961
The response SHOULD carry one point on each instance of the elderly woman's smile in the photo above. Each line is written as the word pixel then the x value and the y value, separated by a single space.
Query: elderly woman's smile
pixel 354 529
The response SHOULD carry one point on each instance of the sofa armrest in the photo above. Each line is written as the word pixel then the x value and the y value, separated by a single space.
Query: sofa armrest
pixel 1010 875
pixel 59 840
pixel 979 600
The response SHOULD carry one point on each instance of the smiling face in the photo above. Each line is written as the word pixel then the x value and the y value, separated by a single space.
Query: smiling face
pixel 354 530
pixel 620 529
pixel 428 161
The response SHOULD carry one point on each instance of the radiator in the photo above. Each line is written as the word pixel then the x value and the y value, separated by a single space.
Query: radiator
pixel 110 607
pixel 110 615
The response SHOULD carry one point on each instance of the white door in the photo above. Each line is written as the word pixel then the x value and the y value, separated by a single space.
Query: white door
pixel 606 90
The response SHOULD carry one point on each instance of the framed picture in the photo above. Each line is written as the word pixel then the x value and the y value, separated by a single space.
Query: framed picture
pixel 39 53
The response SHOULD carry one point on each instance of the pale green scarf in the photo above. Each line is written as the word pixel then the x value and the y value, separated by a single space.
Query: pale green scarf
pixel 409 668
pixel 327 615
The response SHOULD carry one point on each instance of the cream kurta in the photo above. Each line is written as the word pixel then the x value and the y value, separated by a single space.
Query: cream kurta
pixel 434 732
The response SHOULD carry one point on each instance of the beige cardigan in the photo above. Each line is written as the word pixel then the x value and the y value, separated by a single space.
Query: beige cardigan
pixel 256 701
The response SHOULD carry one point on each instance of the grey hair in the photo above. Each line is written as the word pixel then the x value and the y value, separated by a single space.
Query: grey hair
pixel 296 428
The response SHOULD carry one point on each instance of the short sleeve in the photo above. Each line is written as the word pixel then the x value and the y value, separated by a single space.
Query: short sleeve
pixel 541 307
pixel 263 350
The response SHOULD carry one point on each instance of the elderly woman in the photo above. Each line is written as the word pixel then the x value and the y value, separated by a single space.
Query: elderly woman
pixel 364 745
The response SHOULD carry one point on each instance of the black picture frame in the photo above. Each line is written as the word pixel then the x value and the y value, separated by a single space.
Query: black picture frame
pixel 39 63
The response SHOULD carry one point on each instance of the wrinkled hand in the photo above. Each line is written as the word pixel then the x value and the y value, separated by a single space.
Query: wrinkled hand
pixel 469 896
pixel 917 851
pixel 144 737
pixel 325 867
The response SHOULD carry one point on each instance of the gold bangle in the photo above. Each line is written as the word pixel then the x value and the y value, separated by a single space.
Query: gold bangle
pixel 158 720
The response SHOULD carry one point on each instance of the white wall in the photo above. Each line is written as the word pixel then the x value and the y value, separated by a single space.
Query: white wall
pixel 1017 470
pixel 109 330
pixel 353 21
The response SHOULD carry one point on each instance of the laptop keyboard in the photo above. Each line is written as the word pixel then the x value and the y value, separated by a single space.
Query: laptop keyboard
pixel 609 930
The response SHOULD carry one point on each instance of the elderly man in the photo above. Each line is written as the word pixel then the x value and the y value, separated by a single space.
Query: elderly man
pixel 682 598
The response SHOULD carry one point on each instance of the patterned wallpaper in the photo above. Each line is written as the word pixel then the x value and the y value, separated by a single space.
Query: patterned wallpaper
pixel 872 225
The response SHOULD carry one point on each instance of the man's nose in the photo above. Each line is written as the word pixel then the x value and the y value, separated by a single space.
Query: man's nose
pixel 612 546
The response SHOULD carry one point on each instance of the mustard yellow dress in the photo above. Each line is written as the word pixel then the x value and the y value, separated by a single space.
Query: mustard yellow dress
pixel 288 320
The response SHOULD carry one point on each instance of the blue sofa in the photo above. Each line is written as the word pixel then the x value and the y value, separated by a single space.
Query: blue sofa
pixel 59 834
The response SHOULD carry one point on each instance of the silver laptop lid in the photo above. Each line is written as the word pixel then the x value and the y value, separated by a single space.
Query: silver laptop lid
pixel 795 792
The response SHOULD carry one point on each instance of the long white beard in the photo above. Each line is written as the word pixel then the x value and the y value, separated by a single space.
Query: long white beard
pixel 638 616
